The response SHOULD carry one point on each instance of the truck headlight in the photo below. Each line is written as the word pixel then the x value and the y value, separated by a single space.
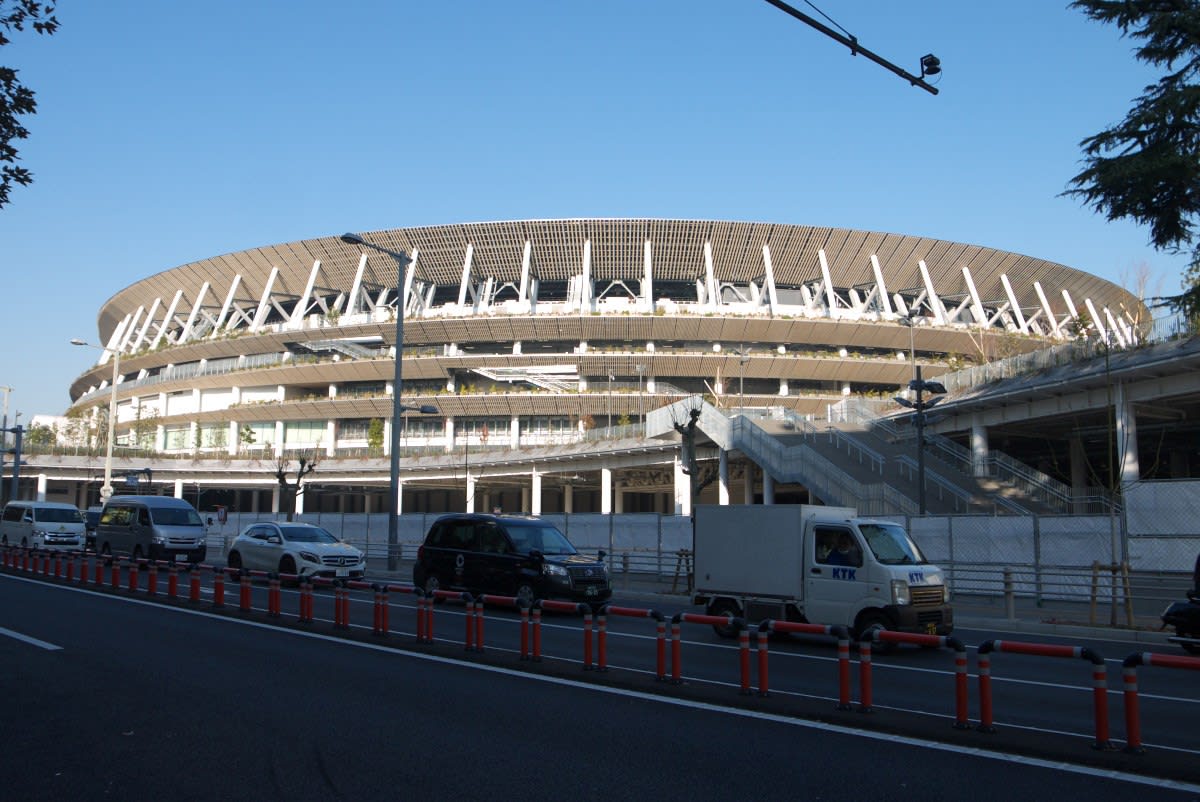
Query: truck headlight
pixel 900 594
pixel 945 592
pixel 553 570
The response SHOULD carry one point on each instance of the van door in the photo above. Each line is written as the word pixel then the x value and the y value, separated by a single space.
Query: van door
pixel 836 580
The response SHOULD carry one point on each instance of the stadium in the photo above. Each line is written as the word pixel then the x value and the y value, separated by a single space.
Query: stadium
pixel 556 360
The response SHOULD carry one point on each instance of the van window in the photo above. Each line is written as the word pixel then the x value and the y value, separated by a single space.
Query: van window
pixel 116 515
pixel 176 516
pixel 13 512
pixel 143 516
pixel 57 515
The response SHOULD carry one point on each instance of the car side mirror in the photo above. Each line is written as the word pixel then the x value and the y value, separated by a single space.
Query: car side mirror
pixel 536 555
pixel 600 555
pixel 275 539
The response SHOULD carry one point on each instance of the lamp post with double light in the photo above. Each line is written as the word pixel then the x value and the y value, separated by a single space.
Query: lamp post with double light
pixel 398 409
pixel 106 490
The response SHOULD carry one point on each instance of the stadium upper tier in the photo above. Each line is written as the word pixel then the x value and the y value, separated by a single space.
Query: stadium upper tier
pixel 570 317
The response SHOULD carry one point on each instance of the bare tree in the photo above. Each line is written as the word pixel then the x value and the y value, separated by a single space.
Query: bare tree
pixel 289 491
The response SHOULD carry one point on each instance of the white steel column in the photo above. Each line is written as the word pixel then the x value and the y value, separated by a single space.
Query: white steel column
pixel 1126 436
pixel 768 488
pixel 568 498
pixel 41 486
pixel 178 488
pixel 535 492
pixel 723 478
pixel 748 483
pixel 606 491
pixel 979 447
pixel 683 488
pixel 470 493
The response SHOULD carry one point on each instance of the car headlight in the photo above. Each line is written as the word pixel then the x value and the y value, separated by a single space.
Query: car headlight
pixel 945 592
pixel 553 570
pixel 309 557
pixel 900 594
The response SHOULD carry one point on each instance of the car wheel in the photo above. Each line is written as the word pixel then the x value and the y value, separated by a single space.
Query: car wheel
pixel 725 607
pixel 287 565
pixel 234 561
pixel 525 594
pixel 432 585
pixel 24 542
pixel 1190 648
pixel 137 553
pixel 874 618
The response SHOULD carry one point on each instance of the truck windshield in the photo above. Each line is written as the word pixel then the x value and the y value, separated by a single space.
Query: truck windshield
pixel 891 545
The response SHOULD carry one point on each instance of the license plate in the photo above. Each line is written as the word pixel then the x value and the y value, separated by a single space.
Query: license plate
pixel 590 592
pixel 342 572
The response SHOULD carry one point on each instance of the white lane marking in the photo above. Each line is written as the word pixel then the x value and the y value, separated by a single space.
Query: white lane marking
pixel 41 644
pixel 978 752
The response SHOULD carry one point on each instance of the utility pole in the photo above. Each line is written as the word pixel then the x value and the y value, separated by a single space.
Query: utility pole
pixel 919 406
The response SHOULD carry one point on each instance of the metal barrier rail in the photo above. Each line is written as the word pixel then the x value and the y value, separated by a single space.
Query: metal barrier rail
pixel 715 621
pixel 660 631
pixel 1099 680
pixel 879 635
pixel 843 646
pixel 1133 725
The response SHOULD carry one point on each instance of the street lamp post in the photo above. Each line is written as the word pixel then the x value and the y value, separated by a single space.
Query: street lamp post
pixel 402 261
pixel 106 490
pixel 3 438
pixel 919 406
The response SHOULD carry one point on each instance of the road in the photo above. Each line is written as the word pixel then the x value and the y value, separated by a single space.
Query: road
pixel 142 700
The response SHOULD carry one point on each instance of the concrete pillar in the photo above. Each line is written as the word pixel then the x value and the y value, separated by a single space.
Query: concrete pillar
pixel 768 489
pixel 449 434
pixel 524 498
pixel 606 491
pixel 178 488
pixel 300 501
pixel 275 499
pixel 618 498
pixel 233 439
pixel 41 487
pixel 278 445
pixel 1079 469
pixel 331 437
pixel 748 483
pixel 568 498
pixel 514 437
pixel 470 493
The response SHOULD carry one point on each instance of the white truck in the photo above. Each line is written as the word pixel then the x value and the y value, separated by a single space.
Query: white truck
pixel 815 564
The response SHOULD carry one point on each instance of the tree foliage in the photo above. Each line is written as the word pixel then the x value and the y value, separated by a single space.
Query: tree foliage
pixel 16 99
pixel 1147 167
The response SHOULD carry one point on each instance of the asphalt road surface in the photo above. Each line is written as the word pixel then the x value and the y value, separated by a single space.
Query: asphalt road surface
pixel 110 696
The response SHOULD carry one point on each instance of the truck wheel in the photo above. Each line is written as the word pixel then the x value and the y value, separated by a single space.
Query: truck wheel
pixel 725 607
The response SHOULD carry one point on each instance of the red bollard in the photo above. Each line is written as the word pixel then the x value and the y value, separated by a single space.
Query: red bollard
pixel 133 576
pixel 843 652
pixel 83 570
pixel 676 657
pixel 429 619
pixel 273 595
pixel 173 581
pixel 984 669
pixel 1100 699
pixel 537 634
pixel 1133 726
pixel 763 635
pixel 420 617
pixel 57 566
pixel 341 607
pixel 244 592
pixel 602 641
pixel 152 579
pixel 864 674
pixel 71 568
pixel 384 626
pixel 524 632
pixel 479 626
pixel 469 637
pixel 961 721
pixel 587 638
pixel 660 648
pixel 744 659
pixel 116 574
pixel 306 595
pixel 194 584
pixel 218 587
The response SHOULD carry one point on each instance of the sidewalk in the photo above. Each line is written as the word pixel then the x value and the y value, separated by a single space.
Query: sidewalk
pixel 988 613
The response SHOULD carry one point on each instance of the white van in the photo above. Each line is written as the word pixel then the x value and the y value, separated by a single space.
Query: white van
pixel 151 527
pixel 42 525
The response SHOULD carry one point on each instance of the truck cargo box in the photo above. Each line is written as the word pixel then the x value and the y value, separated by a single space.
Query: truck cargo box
pixel 754 549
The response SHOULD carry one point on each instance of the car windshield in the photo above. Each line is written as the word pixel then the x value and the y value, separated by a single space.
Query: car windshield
pixel 891 545
pixel 57 515
pixel 176 516
pixel 536 535
pixel 307 534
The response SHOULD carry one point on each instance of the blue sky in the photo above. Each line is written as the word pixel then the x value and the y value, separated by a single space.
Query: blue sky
pixel 173 131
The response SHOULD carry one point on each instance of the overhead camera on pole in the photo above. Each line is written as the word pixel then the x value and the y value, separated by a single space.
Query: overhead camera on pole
pixel 920 405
